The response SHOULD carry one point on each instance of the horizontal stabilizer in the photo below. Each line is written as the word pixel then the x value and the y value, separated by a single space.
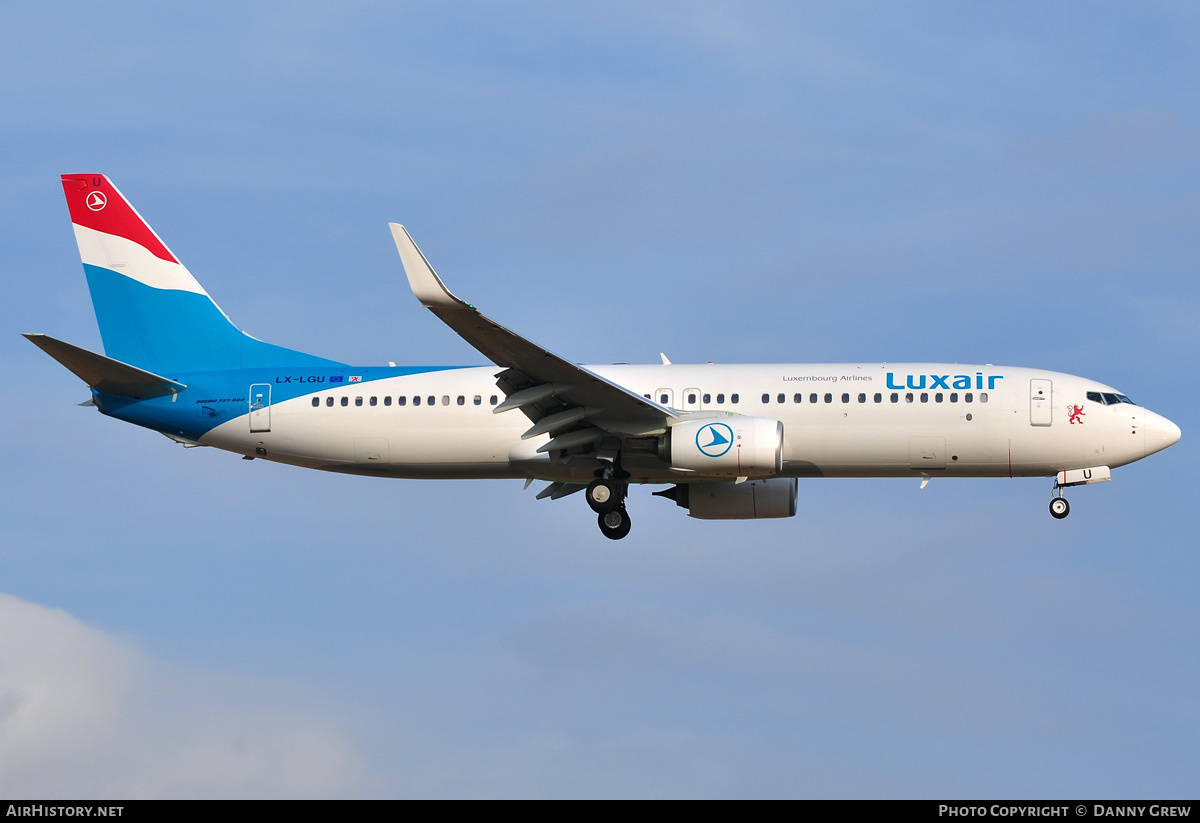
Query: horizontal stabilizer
pixel 104 374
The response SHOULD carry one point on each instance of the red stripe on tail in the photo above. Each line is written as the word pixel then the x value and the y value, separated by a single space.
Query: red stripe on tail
pixel 96 204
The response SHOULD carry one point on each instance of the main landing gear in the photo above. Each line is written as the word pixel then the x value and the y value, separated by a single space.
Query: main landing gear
pixel 606 496
pixel 1059 507
pixel 614 524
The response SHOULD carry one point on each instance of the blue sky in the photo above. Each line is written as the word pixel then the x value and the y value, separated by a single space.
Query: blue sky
pixel 738 182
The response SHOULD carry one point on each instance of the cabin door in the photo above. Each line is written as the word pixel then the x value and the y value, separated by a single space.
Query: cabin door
pixel 260 407
pixel 1041 402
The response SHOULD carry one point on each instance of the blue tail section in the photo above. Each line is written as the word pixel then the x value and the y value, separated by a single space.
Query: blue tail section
pixel 173 332
pixel 152 313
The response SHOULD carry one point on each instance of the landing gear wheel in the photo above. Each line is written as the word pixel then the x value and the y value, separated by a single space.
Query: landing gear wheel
pixel 603 496
pixel 614 524
pixel 1059 508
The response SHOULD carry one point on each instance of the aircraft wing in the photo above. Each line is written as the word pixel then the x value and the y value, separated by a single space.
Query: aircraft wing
pixel 574 405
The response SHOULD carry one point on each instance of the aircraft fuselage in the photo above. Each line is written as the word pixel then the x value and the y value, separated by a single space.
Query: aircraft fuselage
pixel 839 420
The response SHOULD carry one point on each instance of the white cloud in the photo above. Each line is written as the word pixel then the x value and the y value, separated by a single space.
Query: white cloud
pixel 87 714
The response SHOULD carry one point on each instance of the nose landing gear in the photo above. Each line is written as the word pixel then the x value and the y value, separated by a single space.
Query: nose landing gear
pixel 1059 507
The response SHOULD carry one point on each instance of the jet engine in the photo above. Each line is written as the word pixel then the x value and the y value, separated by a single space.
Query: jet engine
pixel 733 446
pixel 727 500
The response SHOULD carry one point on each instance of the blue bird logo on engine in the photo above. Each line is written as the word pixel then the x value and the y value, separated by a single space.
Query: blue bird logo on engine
pixel 714 439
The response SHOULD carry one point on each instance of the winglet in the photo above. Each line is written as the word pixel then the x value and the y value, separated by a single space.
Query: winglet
pixel 422 279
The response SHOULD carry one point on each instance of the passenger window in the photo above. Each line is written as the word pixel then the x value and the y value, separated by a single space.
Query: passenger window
pixel 797 398
pixel 862 397
pixel 493 400
pixel 387 401
pixel 845 397
pixel 908 398
pixel 462 401
pixel 828 398
pixel 478 400
pixel 662 399
pixel 430 400
pixel 345 401
pixel 939 397
pixel 692 397
pixel 924 397
pixel 968 397
pixel 953 397
pixel 374 401
pixel 782 398
pixel 646 396
pixel 733 398
pixel 316 402
pixel 878 397
pixel 983 397
pixel 358 401
pixel 401 400
pixel 328 401
pixel 417 400
pixel 766 398
pixel 895 397
pixel 812 398
pixel 720 398
pixel 707 399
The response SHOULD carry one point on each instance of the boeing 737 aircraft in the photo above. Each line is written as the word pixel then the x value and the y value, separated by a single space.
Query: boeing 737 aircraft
pixel 729 441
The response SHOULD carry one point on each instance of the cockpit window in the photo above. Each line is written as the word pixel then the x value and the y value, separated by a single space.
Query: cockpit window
pixel 1108 398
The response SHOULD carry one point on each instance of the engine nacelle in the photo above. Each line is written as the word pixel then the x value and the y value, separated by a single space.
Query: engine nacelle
pixel 734 446
pixel 751 500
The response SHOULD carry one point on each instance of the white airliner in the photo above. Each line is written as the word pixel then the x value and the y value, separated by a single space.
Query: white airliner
pixel 729 441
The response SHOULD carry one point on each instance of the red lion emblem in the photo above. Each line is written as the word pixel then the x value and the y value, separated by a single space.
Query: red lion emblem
pixel 1074 413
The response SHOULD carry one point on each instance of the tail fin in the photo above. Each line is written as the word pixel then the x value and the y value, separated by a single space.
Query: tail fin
pixel 151 311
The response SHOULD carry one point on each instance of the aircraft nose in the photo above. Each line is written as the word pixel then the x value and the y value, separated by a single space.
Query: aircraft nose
pixel 1160 432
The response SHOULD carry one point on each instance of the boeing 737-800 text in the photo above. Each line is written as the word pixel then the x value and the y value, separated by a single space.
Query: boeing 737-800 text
pixel 729 441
